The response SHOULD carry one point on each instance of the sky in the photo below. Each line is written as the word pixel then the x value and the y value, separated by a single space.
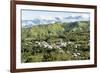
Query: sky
pixel 38 17
pixel 33 14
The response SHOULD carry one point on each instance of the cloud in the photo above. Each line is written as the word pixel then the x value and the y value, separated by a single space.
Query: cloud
pixel 45 17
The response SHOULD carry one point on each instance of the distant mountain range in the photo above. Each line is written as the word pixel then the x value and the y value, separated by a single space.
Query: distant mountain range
pixel 43 21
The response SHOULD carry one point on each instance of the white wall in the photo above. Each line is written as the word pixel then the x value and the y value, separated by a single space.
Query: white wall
pixel 5 36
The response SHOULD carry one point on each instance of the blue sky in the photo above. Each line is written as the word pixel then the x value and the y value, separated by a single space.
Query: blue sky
pixel 32 14
pixel 37 17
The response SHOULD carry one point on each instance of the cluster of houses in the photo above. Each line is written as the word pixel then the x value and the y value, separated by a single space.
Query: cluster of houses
pixel 59 44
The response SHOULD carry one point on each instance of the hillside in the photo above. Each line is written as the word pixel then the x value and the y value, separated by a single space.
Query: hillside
pixel 50 42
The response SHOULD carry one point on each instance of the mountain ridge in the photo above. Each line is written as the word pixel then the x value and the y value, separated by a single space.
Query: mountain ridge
pixel 40 21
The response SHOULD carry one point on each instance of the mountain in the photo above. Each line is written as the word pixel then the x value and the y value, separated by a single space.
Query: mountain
pixel 44 21
pixel 78 26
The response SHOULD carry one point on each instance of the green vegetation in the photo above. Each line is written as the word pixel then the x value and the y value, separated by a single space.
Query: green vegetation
pixel 55 42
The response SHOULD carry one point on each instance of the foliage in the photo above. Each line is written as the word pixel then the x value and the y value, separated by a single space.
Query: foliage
pixel 55 42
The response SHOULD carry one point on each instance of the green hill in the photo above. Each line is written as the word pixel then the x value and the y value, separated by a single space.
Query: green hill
pixel 55 42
